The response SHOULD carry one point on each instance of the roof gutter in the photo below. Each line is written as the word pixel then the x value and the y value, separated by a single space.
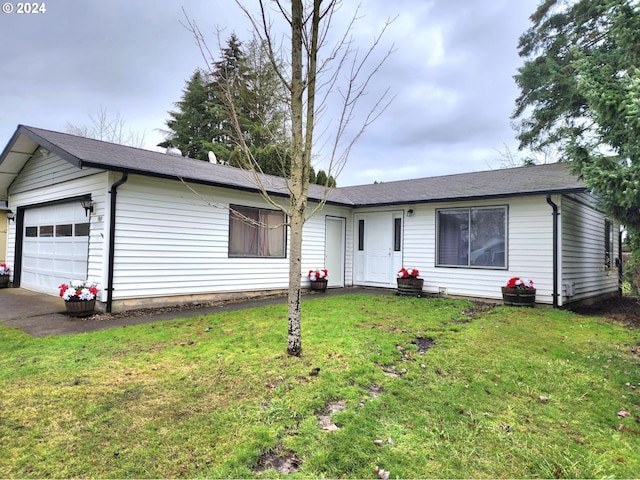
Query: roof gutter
pixel 471 198
pixel 112 239
pixel 555 250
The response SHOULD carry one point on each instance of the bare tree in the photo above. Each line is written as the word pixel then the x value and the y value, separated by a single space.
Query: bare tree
pixel 312 80
pixel 107 129
pixel 540 156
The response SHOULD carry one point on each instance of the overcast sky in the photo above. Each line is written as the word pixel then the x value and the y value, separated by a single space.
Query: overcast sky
pixel 452 74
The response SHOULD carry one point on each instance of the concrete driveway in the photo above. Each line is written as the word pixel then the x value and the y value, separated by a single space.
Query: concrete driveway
pixel 35 313
pixel 40 315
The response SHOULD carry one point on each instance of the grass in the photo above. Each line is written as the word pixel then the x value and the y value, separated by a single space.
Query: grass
pixel 209 396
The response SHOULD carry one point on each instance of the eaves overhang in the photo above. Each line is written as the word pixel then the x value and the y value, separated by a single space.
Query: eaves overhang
pixel 104 156
pixel 198 181
pixel 559 191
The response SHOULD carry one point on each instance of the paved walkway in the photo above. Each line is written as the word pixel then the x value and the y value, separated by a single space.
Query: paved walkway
pixel 40 315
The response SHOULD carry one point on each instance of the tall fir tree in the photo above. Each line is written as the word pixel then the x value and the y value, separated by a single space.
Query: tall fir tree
pixel 193 124
pixel 580 91
pixel 245 80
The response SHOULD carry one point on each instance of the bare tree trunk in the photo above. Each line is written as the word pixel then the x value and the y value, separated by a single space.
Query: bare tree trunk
pixel 294 339
pixel 298 199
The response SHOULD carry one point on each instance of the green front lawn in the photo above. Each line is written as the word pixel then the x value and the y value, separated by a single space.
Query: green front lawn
pixel 505 392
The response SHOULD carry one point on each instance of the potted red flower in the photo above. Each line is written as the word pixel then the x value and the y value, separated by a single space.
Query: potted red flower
pixel 4 275
pixel 409 283
pixel 79 297
pixel 318 279
pixel 519 292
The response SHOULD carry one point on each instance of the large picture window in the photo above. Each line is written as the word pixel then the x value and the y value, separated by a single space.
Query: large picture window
pixel 472 237
pixel 256 232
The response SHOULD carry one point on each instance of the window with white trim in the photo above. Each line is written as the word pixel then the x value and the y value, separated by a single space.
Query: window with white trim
pixel 256 232
pixel 472 237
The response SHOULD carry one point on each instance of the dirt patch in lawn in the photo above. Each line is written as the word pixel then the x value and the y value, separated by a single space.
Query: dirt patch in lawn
pixel 326 423
pixel 623 309
pixel 281 462
pixel 424 344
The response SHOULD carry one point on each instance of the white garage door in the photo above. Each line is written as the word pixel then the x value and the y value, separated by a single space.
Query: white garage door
pixel 55 249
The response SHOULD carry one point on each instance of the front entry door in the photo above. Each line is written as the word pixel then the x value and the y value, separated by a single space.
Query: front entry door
pixel 378 248
pixel 334 253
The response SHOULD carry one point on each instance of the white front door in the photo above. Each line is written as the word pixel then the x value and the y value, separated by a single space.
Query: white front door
pixel 334 250
pixel 55 246
pixel 378 248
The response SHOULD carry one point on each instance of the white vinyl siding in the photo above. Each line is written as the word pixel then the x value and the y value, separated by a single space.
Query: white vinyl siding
pixel 583 244
pixel 46 171
pixel 170 241
pixel 529 247
pixel 313 235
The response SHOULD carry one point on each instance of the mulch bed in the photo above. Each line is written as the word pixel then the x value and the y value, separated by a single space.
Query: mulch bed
pixel 623 309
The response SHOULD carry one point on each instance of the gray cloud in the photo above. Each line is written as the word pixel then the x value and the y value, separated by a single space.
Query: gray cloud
pixel 451 74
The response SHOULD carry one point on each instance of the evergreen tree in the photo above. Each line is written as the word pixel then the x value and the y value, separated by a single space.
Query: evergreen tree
pixel 245 81
pixel 229 88
pixel 193 123
pixel 321 177
pixel 580 91
pixel 265 101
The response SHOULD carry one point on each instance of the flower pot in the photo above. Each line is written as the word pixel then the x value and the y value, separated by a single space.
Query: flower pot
pixel 4 281
pixel 410 287
pixel 80 308
pixel 319 285
pixel 519 297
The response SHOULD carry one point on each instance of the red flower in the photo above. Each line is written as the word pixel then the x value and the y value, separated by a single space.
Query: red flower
pixel 517 282
pixel 408 272
pixel 318 274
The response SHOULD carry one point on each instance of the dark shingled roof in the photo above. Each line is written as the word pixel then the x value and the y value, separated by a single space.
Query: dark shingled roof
pixel 86 152
pixel 530 180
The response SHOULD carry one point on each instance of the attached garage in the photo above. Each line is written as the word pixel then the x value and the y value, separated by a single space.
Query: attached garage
pixel 55 246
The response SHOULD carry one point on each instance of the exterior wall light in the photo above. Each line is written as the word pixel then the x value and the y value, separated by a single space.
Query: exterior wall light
pixel 87 204
pixel 10 215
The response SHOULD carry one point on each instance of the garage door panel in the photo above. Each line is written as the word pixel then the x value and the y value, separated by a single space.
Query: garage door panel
pixel 52 252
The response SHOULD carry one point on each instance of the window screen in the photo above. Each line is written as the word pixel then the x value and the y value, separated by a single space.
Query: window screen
pixel 472 237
